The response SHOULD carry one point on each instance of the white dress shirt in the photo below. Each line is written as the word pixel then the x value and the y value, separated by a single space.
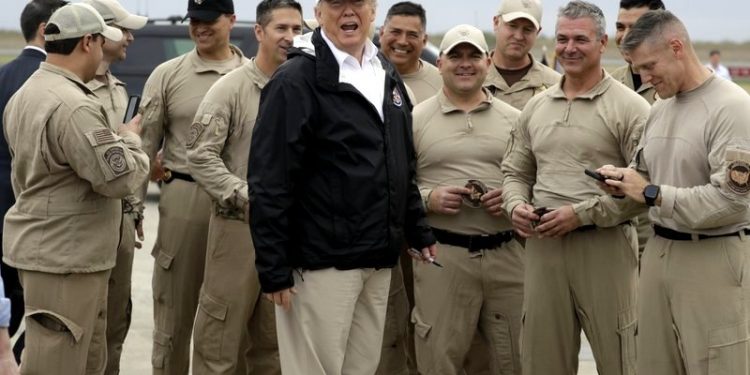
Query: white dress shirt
pixel 368 78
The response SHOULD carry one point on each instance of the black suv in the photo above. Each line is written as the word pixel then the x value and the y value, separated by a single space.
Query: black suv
pixel 162 40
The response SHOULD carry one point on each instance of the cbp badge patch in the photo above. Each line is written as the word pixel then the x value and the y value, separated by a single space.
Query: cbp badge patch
pixel 397 100
pixel 115 158
pixel 738 177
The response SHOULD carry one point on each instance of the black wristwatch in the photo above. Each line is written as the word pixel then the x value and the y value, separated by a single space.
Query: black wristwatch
pixel 650 193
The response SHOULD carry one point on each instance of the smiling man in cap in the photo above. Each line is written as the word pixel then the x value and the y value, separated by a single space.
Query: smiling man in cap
pixel 171 98
pixel 481 286
pixel 114 97
pixel 63 232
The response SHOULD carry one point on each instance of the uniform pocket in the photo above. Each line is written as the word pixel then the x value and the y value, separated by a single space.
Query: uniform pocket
pixel 422 348
pixel 501 340
pixel 162 347
pixel 727 350
pixel 209 326
pixel 626 329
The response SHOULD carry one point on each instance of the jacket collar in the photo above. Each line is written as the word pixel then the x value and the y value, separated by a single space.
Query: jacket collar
pixel 95 84
pixel 67 74
pixel 446 106
pixel 221 67
pixel 600 88
pixel 533 79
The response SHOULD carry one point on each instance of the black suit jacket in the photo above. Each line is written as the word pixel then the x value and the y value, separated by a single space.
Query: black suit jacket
pixel 12 77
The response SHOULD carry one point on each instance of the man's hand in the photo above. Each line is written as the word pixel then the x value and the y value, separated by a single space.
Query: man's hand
pixel 625 181
pixel 282 298
pixel 8 365
pixel 522 216
pixel 134 126
pixel 447 200
pixel 157 169
pixel 493 202
pixel 427 253
pixel 558 222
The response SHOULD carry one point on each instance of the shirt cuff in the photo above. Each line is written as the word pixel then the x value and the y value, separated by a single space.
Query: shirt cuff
pixel 668 198
pixel 581 210
pixel 4 313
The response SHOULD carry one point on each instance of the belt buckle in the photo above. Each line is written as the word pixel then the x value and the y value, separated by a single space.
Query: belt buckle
pixel 167 178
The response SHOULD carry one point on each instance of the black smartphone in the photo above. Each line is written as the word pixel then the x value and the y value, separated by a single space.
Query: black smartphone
pixel 133 102
pixel 541 211
pixel 595 175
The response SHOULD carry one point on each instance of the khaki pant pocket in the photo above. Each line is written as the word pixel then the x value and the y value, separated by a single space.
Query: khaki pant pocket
pixel 422 347
pixel 728 350
pixel 209 327
pixel 626 329
pixel 501 341
pixel 52 342
pixel 161 350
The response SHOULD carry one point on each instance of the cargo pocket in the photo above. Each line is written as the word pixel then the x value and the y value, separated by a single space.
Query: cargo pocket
pixel 162 282
pixel 422 347
pixel 626 329
pixel 162 347
pixel 727 350
pixel 56 340
pixel 501 339
pixel 209 327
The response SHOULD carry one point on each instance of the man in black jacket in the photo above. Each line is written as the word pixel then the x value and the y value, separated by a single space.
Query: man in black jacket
pixel 333 193
pixel 12 76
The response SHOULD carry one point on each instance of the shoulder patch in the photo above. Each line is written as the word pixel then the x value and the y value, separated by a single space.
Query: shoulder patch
pixel 101 136
pixel 738 177
pixel 115 159
pixel 196 129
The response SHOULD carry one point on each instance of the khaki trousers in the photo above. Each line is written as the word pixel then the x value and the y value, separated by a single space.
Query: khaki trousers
pixel 235 328
pixel 584 280
pixel 475 290
pixel 65 323
pixel 180 257
pixel 119 306
pixel 335 325
pixel 694 314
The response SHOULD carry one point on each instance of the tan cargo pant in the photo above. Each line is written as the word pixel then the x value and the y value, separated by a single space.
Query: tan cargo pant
pixel 65 323
pixel 478 290
pixel 118 296
pixel 235 328
pixel 694 308
pixel 180 257
pixel 335 325
pixel 645 231
pixel 584 280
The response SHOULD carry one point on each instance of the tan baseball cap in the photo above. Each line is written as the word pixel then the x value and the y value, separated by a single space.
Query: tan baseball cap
pixel 463 34
pixel 77 20
pixel 114 14
pixel 514 9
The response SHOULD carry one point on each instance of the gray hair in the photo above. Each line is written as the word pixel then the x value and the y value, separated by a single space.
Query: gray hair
pixel 652 24
pixel 579 9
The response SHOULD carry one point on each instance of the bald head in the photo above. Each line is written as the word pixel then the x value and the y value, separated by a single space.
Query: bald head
pixel 658 26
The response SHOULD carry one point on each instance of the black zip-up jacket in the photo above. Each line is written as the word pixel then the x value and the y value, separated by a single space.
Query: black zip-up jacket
pixel 331 185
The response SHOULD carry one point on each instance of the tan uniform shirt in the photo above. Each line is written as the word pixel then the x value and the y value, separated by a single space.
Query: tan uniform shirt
pixel 221 131
pixel 172 94
pixel 453 146
pixel 691 143
pixel 538 79
pixel 625 76
pixel 114 97
pixel 69 173
pixel 556 139
pixel 425 82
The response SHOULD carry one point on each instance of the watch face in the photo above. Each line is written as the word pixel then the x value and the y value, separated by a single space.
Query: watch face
pixel 651 191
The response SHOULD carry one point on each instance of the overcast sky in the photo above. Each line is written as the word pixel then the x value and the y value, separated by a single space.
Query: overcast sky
pixel 716 20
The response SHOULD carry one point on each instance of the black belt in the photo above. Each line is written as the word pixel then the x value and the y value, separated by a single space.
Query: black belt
pixel 472 242
pixel 682 236
pixel 171 175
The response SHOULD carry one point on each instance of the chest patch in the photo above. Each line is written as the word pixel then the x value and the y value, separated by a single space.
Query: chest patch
pixel 397 100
